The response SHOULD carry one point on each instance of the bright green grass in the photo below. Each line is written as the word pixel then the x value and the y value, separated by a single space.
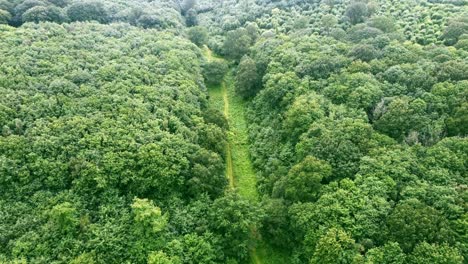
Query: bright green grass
pixel 216 100
pixel 244 175
pixel 209 54
pixel 239 169
pixel 245 179
pixel 264 253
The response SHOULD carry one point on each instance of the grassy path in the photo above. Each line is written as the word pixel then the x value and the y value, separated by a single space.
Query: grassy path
pixel 239 169
pixel 220 101
pixel 245 179
pixel 229 167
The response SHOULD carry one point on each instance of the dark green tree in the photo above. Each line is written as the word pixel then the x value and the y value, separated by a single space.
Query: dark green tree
pixel 214 71
pixel 60 3
pixel 456 123
pixel 364 52
pixel 6 5
pixel 328 22
pixel 454 30
pixel 356 12
pixel 233 218
pixel 193 248
pixel 87 11
pixel 186 5
pixel 342 143
pixel 386 24
pixel 5 16
pixel 191 18
pixel 305 110
pixel 413 222
pixel 237 43
pixel 276 226
pixel 247 82
pixel 43 13
pixel 437 254
pixel 335 246
pixel 198 35
pixel 389 253
pixel 304 180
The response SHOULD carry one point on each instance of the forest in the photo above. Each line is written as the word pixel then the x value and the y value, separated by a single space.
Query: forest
pixel 235 131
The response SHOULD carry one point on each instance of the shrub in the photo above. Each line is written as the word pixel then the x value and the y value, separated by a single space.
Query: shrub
pixel 198 35
pixel 5 16
pixel 87 11
pixel 43 13
pixel 214 71
pixel 356 12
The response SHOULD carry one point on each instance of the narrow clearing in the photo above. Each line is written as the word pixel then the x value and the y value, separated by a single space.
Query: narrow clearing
pixel 239 169
pixel 229 167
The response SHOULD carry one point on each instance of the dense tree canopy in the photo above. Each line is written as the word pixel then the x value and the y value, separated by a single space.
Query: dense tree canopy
pixel 366 107
pixel 102 144
pixel 113 148
pixel 154 14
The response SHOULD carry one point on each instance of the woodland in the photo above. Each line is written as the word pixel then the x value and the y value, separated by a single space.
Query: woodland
pixel 235 131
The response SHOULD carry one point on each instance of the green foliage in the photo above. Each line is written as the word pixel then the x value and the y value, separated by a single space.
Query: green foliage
pixel 234 217
pixel 355 125
pixel 214 71
pixel 385 24
pixel 147 216
pixel 247 80
pixel 162 14
pixel 305 110
pixel 60 3
pixel 357 103
pixel 5 16
pixel 208 172
pixel 278 89
pixel 357 12
pixel 87 11
pixel 364 52
pixel 335 246
pixel 456 122
pixel 6 5
pixel 454 30
pixel 198 35
pixel 28 4
pixel 342 143
pixel 390 253
pixel 193 249
pixel 328 22
pixel 402 116
pixel 431 253
pixel 104 123
pixel 64 216
pixel 186 5
pixel 412 222
pixel 362 32
pixel 161 258
pixel 84 258
pixel 42 13
pixel 237 43
pixel 276 225
pixel 191 18
pixel 358 90
pixel 304 180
